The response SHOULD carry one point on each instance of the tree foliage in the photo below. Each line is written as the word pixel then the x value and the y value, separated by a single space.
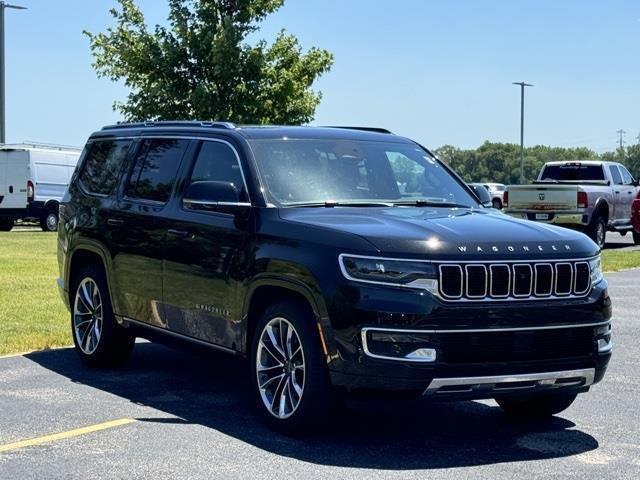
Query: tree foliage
pixel 500 162
pixel 201 66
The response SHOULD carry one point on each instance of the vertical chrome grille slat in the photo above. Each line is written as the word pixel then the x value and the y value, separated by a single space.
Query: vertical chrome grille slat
pixel 477 281
pixel 492 273
pixel 558 267
pixel 478 273
pixel 541 287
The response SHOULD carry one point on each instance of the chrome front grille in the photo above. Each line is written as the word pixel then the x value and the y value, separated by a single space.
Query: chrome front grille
pixel 503 281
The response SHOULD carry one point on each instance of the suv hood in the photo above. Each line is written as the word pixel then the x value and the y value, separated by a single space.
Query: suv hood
pixel 448 233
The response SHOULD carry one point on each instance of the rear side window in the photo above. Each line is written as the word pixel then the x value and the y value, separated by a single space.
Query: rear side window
pixel 155 169
pixel 100 171
pixel 615 175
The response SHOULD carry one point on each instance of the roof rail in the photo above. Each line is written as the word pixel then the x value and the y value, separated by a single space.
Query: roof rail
pixel 363 129
pixel 171 123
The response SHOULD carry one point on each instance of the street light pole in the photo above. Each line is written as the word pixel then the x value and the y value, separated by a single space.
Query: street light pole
pixel 3 128
pixel 522 85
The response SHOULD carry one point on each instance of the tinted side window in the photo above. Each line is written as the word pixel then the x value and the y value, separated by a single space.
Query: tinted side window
pixel 155 169
pixel 615 175
pixel 100 170
pixel 627 179
pixel 217 162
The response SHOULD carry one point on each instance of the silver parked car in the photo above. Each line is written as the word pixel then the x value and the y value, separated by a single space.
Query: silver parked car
pixel 496 190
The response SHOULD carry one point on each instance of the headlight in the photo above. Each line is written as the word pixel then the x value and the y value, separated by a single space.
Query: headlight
pixel 596 270
pixel 387 271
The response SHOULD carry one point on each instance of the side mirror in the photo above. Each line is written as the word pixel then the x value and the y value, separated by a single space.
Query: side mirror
pixel 214 196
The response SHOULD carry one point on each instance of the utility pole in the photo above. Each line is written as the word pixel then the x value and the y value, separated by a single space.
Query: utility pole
pixel 522 85
pixel 621 133
pixel 3 125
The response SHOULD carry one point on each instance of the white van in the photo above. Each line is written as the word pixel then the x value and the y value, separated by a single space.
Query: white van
pixel 33 180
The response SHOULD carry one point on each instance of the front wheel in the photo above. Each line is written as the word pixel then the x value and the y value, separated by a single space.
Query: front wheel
pixel 537 406
pixel 636 237
pixel 98 339
pixel 496 203
pixel 290 375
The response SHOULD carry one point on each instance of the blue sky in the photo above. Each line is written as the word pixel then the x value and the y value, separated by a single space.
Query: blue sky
pixel 439 72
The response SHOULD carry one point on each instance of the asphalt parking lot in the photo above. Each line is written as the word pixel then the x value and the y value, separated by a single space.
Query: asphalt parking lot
pixel 175 414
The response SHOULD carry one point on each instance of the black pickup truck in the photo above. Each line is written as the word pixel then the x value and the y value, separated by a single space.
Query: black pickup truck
pixel 335 260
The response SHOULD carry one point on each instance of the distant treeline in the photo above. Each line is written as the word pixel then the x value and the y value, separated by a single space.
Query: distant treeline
pixel 500 162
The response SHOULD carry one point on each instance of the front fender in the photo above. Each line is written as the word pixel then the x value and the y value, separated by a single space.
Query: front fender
pixel 298 280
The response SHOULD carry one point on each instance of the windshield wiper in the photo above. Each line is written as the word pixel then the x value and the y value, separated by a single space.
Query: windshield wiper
pixel 427 203
pixel 331 204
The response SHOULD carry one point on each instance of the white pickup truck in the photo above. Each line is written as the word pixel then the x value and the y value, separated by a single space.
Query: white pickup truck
pixel 591 196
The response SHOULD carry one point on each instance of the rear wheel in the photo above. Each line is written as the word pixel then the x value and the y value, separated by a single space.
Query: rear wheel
pixel 98 339
pixel 537 406
pixel 290 375
pixel 496 203
pixel 597 230
pixel 49 222
pixel 6 225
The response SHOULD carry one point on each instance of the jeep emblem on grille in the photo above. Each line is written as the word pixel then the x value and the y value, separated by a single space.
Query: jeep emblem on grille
pixel 541 196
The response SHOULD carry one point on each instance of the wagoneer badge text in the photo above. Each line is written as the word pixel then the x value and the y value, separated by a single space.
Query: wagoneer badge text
pixel 511 248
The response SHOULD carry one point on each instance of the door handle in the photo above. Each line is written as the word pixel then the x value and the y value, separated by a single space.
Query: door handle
pixel 114 222
pixel 617 193
pixel 177 233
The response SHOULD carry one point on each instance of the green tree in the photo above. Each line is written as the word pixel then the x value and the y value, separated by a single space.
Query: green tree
pixel 201 65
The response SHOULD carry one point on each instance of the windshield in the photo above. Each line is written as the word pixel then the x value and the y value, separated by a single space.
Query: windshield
pixel 306 171
pixel 572 172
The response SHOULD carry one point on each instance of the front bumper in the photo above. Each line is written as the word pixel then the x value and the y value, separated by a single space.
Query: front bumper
pixel 544 340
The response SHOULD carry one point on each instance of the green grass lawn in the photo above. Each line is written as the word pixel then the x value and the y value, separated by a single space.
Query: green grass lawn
pixel 614 260
pixel 32 315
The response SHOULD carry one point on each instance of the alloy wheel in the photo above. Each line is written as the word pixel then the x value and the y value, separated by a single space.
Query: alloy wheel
pixel 88 316
pixel 600 234
pixel 280 368
pixel 52 222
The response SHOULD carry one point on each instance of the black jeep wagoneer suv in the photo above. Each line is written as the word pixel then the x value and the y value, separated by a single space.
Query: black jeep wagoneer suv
pixel 334 259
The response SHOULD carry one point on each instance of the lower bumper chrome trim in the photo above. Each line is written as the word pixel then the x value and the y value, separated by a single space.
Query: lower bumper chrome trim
pixel 507 383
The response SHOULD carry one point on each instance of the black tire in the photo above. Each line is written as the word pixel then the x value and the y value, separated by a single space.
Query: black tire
pixel 113 345
pixel 6 225
pixel 636 237
pixel 597 230
pixel 49 222
pixel 317 401
pixel 496 203
pixel 537 406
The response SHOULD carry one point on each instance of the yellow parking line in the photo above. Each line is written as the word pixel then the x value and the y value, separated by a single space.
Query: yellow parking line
pixel 68 434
